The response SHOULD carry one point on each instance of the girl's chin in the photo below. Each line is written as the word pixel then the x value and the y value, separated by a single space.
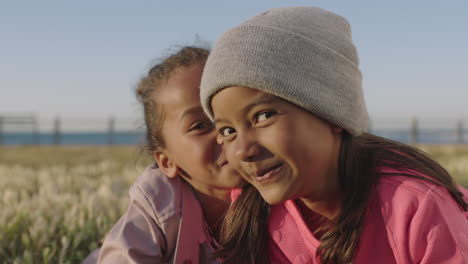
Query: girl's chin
pixel 272 198
pixel 227 173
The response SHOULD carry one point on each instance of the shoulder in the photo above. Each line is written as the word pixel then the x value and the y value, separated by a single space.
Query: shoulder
pixel 418 214
pixel 148 230
pixel 402 197
pixel 398 187
pixel 163 195
pixel 410 203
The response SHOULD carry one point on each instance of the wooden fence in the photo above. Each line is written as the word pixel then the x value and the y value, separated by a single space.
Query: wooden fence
pixel 29 124
pixel 110 131
pixel 19 121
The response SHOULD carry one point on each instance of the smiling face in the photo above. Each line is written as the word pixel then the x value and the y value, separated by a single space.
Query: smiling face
pixel 282 150
pixel 190 147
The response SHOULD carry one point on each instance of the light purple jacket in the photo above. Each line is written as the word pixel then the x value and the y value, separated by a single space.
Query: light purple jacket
pixel 163 224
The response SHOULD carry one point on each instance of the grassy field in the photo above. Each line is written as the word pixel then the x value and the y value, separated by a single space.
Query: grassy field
pixel 57 203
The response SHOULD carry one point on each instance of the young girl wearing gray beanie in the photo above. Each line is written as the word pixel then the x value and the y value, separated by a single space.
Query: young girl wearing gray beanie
pixel 284 89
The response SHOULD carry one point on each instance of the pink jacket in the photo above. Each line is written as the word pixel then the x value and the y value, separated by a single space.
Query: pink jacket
pixel 409 221
pixel 163 224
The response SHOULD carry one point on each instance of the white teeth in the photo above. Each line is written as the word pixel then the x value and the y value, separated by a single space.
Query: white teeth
pixel 261 178
pixel 268 174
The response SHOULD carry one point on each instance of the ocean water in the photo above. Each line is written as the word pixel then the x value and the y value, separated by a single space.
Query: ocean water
pixel 434 136
pixel 428 136
pixel 81 138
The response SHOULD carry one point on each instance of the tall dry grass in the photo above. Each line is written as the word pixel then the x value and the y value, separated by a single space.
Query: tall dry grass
pixel 57 203
pixel 454 158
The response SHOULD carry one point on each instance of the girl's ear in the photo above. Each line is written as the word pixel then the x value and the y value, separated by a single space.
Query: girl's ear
pixel 166 164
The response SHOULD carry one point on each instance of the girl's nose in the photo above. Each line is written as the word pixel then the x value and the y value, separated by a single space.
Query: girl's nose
pixel 246 147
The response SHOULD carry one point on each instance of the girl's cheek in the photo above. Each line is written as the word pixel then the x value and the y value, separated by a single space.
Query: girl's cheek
pixel 236 165
pixel 229 155
pixel 210 148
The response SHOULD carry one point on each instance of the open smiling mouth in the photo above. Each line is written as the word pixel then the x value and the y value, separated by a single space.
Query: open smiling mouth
pixel 266 174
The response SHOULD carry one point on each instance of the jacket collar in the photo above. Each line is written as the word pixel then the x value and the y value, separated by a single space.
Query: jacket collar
pixel 191 229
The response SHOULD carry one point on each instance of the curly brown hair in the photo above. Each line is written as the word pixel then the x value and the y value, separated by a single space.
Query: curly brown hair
pixel 157 76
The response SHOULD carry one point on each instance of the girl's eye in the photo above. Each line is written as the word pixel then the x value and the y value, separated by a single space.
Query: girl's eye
pixel 201 125
pixel 262 116
pixel 226 131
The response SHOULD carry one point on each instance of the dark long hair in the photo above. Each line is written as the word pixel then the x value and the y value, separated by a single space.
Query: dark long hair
pixel 245 239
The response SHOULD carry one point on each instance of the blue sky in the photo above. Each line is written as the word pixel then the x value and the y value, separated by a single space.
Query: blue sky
pixel 83 58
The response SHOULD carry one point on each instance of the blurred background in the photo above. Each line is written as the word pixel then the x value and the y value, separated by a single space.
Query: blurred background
pixel 71 129
pixel 68 69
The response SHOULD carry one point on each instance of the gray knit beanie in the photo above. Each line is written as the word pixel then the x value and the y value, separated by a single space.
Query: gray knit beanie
pixel 304 55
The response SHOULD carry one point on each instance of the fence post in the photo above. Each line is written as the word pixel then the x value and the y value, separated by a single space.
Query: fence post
pixel 111 131
pixel 460 131
pixel 35 131
pixel 57 139
pixel 1 130
pixel 414 131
